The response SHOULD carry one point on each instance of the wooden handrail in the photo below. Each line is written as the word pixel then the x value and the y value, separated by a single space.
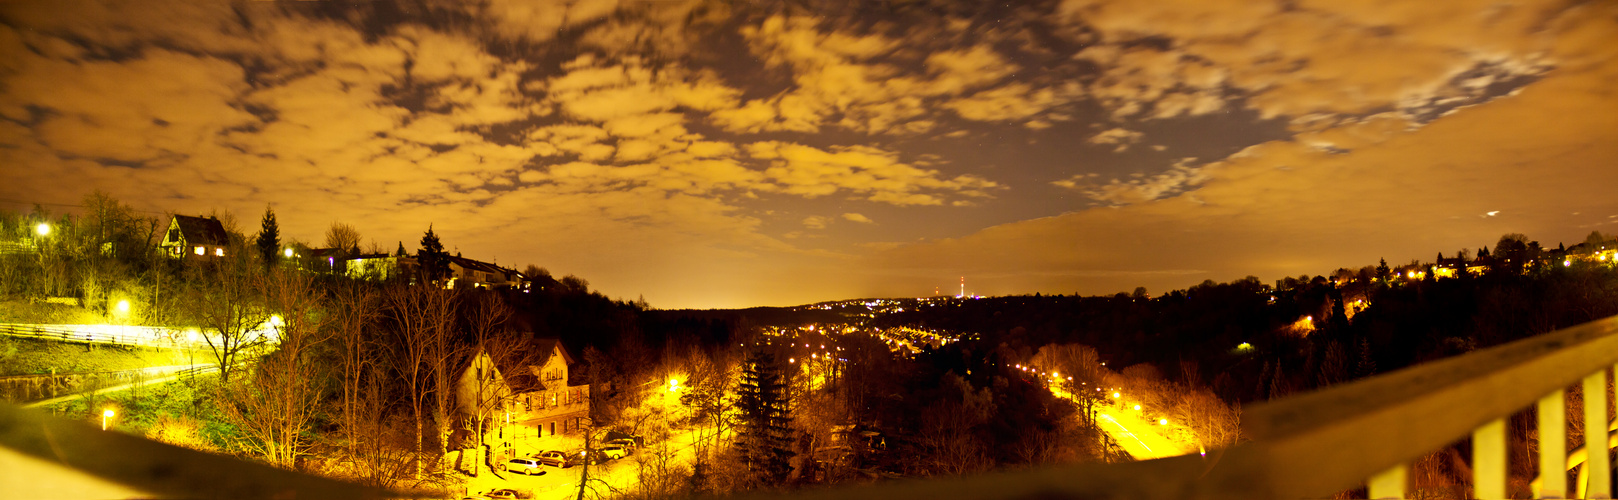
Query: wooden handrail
pixel 1315 444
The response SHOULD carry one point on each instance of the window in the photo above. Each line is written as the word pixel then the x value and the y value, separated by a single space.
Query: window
pixel 174 235
pixel 200 250
pixel 219 252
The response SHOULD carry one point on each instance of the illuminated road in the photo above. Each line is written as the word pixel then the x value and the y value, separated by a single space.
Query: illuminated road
pixel 561 484
pixel 1138 437
pixel 162 375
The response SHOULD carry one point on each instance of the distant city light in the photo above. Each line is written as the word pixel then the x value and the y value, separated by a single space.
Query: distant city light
pixel 1567 263
pixel 43 229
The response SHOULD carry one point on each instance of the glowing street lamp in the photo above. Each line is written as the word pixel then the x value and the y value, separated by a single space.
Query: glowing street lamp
pixel 1137 407
pixel 106 414
pixel 1114 395
pixel 287 252
pixel 43 229
pixel 1162 421
pixel 674 385
pixel 122 308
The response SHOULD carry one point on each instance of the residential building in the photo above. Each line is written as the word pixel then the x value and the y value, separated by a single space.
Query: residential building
pixel 532 403
pixel 195 237
pixel 463 272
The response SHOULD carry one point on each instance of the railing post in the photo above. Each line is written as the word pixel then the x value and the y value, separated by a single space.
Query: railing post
pixel 1389 484
pixel 1595 437
pixel 1489 460
pixel 1553 445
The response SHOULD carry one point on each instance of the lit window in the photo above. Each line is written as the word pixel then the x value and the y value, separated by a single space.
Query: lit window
pixel 219 252
pixel 200 251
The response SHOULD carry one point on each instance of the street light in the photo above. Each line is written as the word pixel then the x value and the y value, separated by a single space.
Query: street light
pixel 106 414
pixel 123 308
pixel 43 229
pixel 287 252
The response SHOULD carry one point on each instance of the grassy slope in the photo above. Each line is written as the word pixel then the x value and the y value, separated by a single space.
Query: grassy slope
pixel 23 356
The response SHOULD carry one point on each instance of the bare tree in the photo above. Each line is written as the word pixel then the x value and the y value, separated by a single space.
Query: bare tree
pixel 353 309
pixel 342 237
pixel 416 317
pixel 710 392
pixel 227 302
pixel 381 457
pixel 947 429
pixel 487 390
pixel 1078 373
pixel 1215 424
pixel 276 404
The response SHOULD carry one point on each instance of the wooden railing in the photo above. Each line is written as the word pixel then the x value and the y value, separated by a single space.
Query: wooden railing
pixel 1360 434
pixel 144 336
pixel 1312 445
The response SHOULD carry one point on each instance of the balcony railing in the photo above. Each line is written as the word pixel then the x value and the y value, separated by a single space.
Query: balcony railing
pixel 1359 434
pixel 1311 445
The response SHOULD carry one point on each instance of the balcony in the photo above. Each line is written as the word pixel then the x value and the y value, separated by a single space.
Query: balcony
pixel 1313 445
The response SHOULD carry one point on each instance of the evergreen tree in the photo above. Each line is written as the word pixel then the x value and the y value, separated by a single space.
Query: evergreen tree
pixel 763 433
pixel 1382 271
pixel 401 251
pixel 431 258
pixel 269 239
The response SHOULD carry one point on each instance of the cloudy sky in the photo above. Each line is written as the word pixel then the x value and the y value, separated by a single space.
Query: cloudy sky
pixel 725 154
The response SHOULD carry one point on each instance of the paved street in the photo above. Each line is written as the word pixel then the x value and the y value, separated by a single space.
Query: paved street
pixel 558 483
pixel 1138 437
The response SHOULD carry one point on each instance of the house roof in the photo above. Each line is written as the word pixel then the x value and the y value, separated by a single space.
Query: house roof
pixel 202 230
pixel 478 265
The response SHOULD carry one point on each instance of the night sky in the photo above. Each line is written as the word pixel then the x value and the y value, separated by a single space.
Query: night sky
pixel 729 154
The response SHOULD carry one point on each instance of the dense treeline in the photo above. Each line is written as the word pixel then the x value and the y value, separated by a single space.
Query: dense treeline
pixel 1398 322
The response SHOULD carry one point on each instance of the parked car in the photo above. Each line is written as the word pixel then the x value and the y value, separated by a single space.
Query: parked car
pixel 524 466
pixel 578 457
pixel 628 444
pixel 613 451
pixel 552 458
pixel 502 494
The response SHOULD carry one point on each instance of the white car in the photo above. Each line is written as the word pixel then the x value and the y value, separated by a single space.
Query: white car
pixel 613 451
pixel 524 466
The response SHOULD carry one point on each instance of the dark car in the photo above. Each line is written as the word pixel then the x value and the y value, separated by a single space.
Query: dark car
pixel 502 494
pixel 552 458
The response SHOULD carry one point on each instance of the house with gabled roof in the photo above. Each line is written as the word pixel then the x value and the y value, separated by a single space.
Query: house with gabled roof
pixel 195 237
pixel 538 403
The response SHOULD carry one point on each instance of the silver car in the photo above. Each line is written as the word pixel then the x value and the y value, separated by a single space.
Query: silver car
pixel 524 466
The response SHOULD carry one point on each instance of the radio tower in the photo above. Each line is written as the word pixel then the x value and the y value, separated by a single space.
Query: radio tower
pixel 963 288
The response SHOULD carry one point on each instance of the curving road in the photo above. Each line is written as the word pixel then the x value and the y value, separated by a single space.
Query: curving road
pixel 1138 437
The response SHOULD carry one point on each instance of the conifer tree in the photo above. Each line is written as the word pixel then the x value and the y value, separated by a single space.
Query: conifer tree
pixel 269 238
pixel 763 433
pixel 431 258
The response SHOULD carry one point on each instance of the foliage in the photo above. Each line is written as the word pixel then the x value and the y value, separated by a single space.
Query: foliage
pixel 269 239
pixel 763 427
pixel 431 258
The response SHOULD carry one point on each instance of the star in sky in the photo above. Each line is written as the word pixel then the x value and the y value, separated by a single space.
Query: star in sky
pixel 727 154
